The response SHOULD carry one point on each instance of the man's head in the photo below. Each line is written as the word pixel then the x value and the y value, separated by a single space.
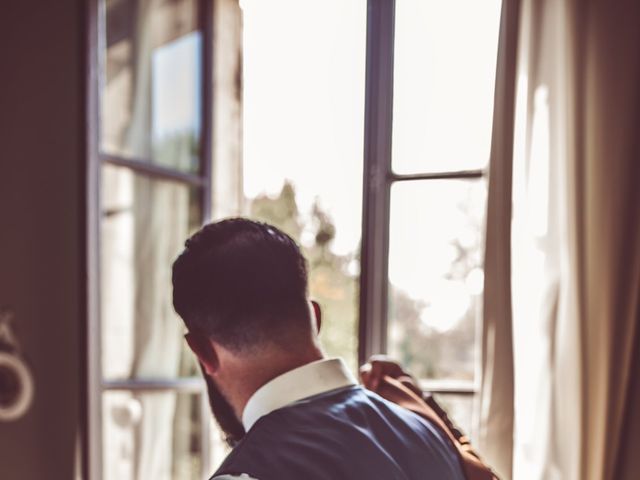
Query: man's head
pixel 241 288
pixel 244 284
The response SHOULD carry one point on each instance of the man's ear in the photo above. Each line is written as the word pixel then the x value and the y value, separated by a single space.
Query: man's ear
pixel 317 313
pixel 203 348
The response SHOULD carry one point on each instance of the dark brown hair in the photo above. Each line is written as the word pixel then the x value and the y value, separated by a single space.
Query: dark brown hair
pixel 241 282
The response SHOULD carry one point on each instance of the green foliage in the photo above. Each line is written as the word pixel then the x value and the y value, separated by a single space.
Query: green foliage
pixel 330 284
pixel 425 351
pixel 280 211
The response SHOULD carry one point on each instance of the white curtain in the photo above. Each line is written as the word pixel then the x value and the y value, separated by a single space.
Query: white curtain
pixel 575 256
pixel 545 281
pixel 495 429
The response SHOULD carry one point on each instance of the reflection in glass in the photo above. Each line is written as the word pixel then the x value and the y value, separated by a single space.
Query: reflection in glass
pixel 144 225
pixel 303 140
pixel 435 275
pixel 152 435
pixel 151 95
pixel 444 75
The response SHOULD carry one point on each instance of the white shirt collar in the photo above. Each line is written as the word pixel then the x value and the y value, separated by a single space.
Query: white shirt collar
pixel 306 381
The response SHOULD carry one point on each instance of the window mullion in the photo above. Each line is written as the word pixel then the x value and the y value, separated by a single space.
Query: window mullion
pixel 91 433
pixel 182 385
pixel 377 183
pixel 462 174
pixel 151 170
pixel 206 20
pixel 206 144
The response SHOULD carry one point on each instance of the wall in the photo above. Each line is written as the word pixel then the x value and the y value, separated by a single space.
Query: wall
pixel 42 229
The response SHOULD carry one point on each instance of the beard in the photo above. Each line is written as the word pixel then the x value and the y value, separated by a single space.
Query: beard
pixel 223 413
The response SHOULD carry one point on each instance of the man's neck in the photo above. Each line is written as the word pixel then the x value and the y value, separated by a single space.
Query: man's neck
pixel 261 369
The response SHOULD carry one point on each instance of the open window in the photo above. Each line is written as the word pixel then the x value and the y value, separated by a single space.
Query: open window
pixel 429 104
pixel 360 128
pixel 156 97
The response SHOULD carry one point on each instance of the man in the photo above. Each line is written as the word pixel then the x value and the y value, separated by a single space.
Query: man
pixel 241 289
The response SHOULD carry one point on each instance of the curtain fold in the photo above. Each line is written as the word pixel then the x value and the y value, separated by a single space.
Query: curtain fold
pixel 495 426
pixel 546 268
pixel 610 217
pixel 574 247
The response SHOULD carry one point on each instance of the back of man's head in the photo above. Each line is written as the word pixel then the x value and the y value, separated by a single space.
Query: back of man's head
pixel 244 284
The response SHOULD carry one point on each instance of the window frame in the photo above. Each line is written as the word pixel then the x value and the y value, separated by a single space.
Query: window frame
pixel 95 384
pixel 378 178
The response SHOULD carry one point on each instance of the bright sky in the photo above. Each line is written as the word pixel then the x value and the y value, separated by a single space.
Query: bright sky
pixel 304 105
pixel 304 76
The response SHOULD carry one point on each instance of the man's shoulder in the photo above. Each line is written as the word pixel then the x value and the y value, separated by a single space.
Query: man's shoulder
pixel 345 430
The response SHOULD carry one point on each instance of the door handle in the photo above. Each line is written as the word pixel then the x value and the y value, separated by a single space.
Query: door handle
pixel 16 379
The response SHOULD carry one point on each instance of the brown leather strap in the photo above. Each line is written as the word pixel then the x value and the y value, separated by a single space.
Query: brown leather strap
pixel 396 392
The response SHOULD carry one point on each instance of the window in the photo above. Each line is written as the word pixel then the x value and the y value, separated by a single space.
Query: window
pixel 360 128
pixel 154 153
pixel 430 81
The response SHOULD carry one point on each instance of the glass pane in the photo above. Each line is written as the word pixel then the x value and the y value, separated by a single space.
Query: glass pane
pixel 152 435
pixel 303 138
pixel 444 75
pixel 435 275
pixel 151 95
pixel 459 408
pixel 144 225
